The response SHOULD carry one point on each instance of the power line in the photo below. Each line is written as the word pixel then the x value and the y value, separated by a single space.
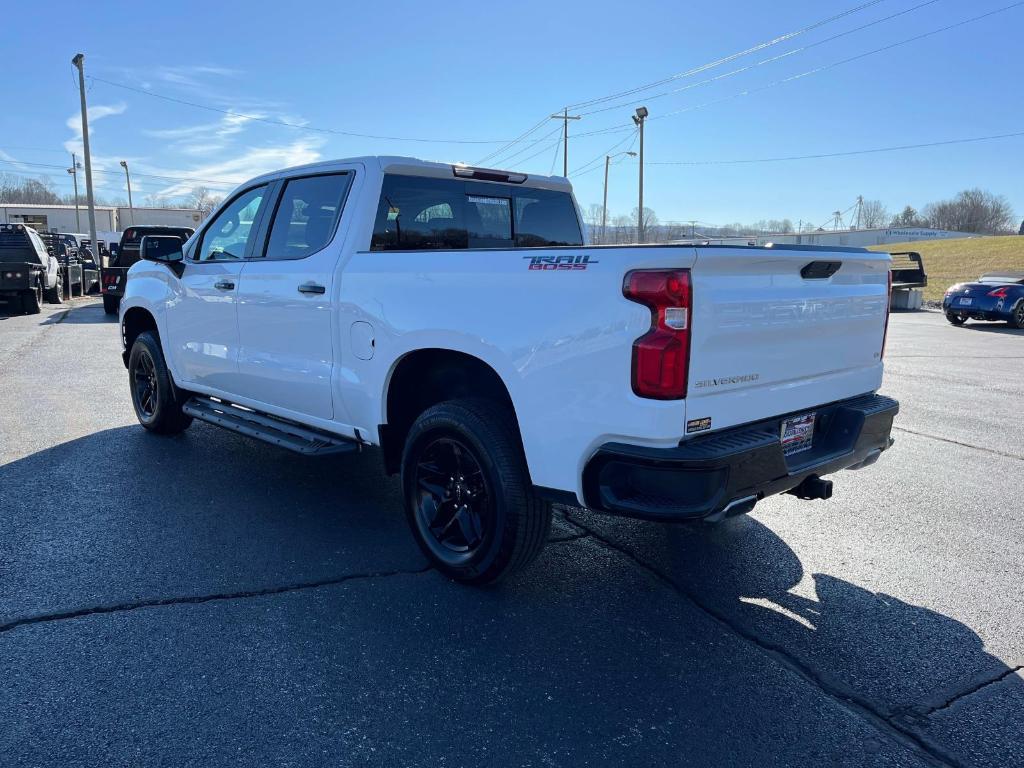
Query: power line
pixel 616 145
pixel 726 59
pixel 505 161
pixel 688 73
pixel 286 124
pixel 134 173
pixel 771 59
pixel 841 154
pixel 508 145
pixel 848 60
pixel 814 71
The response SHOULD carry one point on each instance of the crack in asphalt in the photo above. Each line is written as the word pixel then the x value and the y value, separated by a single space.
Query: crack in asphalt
pixel 960 443
pixel 157 602
pixel 926 712
pixel 849 699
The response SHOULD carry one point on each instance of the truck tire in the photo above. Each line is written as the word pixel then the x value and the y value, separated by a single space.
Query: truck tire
pixel 55 295
pixel 468 496
pixel 32 300
pixel 111 304
pixel 156 400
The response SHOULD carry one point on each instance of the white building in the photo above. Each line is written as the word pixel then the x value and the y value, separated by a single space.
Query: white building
pixel 861 238
pixel 61 218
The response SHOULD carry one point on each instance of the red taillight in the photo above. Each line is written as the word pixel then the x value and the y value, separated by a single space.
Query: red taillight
pixel 999 293
pixel 888 310
pixel 661 357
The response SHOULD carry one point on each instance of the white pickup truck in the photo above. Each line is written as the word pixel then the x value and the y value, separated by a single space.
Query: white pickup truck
pixel 454 317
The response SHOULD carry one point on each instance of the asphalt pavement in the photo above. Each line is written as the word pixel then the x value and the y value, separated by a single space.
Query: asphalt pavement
pixel 209 600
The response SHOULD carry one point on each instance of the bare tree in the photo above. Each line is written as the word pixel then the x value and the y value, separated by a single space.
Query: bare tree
pixel 18 189
pixel 973 210
pixel 592 218
pixel 873 213
pixel 203 200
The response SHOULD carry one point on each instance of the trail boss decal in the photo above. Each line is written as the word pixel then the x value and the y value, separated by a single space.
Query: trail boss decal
pixel 561 263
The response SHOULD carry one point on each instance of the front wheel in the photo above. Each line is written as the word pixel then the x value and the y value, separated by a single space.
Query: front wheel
pixel 111 304
pixel 1017 318
pixel 956 319
pixel 468 496
pixel 157 403
pixel 55 295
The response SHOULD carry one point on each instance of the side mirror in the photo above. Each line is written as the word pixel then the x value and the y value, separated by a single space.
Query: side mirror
pixel 162 248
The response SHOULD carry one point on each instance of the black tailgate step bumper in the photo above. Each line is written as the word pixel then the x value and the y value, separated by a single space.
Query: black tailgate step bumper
pixel 269 429
pixel 728 472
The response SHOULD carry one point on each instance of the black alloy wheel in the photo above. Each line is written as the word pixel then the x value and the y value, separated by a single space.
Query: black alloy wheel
pixel 453 505
pixel 145 387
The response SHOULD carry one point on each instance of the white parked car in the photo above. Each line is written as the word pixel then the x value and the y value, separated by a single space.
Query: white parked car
pixel 454 317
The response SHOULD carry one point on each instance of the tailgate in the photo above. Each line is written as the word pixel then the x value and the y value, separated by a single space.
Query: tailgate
pixel 778 330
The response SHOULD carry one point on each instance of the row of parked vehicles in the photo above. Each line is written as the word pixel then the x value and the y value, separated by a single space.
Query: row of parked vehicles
pixel 38 267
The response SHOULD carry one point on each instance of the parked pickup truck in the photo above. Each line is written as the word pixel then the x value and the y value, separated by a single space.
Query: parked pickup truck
pixel 454 317
pixel 115 272
pixel 29 271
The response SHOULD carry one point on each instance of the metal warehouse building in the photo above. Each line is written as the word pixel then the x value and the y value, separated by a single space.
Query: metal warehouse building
pixel 860 238
pixel 62 218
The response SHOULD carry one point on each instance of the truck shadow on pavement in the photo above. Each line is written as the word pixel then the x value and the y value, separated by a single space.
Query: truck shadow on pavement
pixel 906 664
pixel 82 314
pixel 626 641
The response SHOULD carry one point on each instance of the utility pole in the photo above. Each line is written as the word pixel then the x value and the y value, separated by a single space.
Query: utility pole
pixel 860 206
pixel 128 180
pixel 565 117
pixel 837 218
pixel 79 62
pixel 73 170
pixel 638 119
pixel 693 224
pixel 604 207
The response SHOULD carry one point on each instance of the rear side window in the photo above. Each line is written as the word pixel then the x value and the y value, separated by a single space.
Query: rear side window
pixel 422 213
pixel 307 215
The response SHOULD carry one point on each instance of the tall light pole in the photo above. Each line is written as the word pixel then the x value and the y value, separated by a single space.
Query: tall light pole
pixel 565 117
pixel 73 170
pixel 604 207
pixel 639 118
pixel 79 62
pixel 128 181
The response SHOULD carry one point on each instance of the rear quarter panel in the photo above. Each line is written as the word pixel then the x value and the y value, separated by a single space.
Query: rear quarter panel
pixel 561 340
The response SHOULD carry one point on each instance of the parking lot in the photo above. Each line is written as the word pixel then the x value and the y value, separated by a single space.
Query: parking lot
pixel 208 600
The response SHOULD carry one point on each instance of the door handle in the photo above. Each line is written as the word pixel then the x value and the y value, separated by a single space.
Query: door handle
pixel 314 288
pixel 224 285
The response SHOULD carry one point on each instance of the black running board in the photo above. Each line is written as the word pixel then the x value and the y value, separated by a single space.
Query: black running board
pixel 270 429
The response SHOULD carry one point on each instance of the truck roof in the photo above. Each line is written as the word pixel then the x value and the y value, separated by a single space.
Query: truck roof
pixel 415 167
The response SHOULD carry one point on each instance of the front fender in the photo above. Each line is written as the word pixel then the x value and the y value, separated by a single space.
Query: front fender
pixel 149 288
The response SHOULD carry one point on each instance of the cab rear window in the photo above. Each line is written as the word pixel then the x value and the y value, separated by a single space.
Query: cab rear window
pixel 423 213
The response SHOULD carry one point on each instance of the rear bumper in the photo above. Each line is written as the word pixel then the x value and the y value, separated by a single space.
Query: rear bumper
pixel 727 472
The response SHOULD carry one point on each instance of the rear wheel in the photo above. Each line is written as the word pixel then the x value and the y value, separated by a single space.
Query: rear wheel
pixel 468 496
pixel 111 304
pixel 157 403
pixel 1017 318
pixel 956 319
pixel 32 300
pixel 55 295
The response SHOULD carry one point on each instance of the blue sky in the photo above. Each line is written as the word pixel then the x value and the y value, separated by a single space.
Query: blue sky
pixel 473 71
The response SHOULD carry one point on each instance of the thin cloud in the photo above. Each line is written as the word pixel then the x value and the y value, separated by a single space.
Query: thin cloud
pixel 96 112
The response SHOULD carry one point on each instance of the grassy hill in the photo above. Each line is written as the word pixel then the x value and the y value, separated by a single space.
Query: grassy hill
pixel 953 261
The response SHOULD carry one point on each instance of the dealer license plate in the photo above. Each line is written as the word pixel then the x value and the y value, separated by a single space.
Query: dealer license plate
pixel 966 302
pixel 797 434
